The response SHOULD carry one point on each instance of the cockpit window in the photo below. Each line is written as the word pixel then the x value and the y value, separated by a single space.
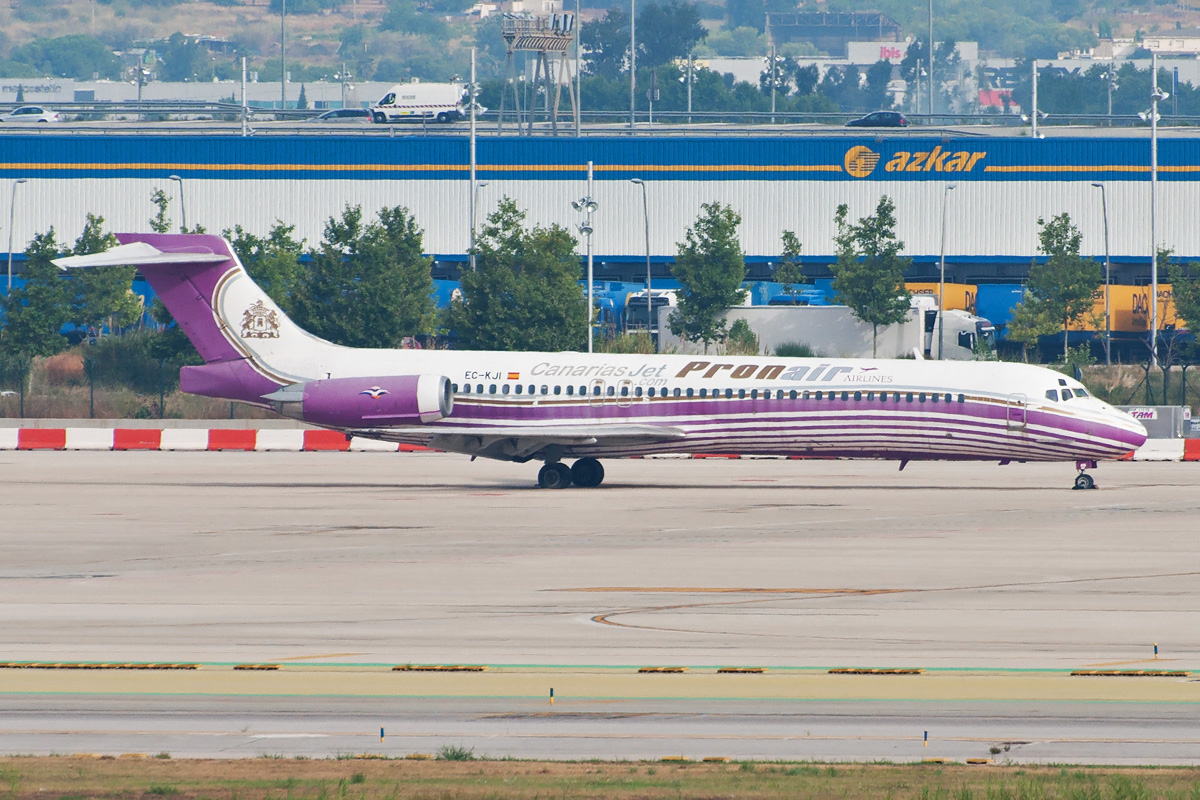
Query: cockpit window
pixel 1082 393
pixel 1052 394
pixel 1066 394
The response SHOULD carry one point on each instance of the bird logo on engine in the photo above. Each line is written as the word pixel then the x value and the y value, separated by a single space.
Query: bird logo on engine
pixel 375 392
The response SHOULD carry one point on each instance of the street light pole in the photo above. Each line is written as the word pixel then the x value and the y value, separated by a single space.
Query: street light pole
pixel 282 57
pixel 587 206
pixel 472 92
pixel 474 216
pixel 1107 279
pixel 942 281
pixel 632 62
pixel 12 204
pixel 1155 95
pixel 646 227
pixel 182 205
pixel 930 62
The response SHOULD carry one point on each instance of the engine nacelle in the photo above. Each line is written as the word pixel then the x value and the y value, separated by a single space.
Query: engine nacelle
pixel 372 402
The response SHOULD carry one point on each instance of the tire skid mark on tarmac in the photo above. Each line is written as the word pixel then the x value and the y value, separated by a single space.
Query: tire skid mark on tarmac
pixel 783 595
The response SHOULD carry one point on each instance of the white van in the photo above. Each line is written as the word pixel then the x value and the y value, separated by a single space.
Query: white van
pixel 442 102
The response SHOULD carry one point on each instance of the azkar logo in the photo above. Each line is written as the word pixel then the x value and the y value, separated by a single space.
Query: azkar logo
pixel 860 161
pixel 936 160
pixel 375 392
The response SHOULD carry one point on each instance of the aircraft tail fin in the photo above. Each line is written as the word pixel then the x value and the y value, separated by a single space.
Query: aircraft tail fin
pixel 237 329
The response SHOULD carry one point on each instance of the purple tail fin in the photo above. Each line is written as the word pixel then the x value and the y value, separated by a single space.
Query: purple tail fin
pixel 187 272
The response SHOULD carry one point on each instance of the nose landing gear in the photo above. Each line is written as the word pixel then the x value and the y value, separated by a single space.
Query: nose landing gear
pixel 585 473
pixel 1083 480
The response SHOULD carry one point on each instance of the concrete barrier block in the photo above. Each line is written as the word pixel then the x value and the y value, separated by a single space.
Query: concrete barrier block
pixel 359 444
pixel 41 438
pixel 1160 450
pixel 8 438
pixel 272 439
pixel 231 439
pixel 137 439
pixel 1191 449
pixel 325 440
pixel 88 439
pixel 184 439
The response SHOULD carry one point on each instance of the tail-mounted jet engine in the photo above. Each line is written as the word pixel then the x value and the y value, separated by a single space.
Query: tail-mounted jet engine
pixel 370 402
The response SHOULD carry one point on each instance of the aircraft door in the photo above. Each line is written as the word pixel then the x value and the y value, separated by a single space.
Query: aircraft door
pixel 625 393
pixel 1017 405
pixel 596 392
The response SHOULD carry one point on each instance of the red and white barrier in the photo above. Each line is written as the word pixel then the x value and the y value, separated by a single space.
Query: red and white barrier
pixel 296 440
pixel 247 439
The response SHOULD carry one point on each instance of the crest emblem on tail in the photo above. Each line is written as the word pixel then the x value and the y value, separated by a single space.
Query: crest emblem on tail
pixel 260 322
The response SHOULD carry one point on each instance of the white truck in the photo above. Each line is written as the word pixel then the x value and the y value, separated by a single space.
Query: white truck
pixel 441 102
pixel 834 332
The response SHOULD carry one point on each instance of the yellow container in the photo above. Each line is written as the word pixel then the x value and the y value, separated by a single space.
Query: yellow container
pixel 1130 309
pixel 958 295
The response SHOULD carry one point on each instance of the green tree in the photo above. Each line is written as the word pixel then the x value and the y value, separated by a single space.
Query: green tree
pixel 788 272
pixel 607 44
pixel 102 294
pixel 184 59
pixel 869 273
pixel 667 30
pixel 273 262
pixel 710 268
pixel 1030 321
pixel 162 201
pixel 35 312
pixel 1066 284
pixel 368 285
pixel 76 56
pixel 742 340
pixel 1185 290
pixel 524 293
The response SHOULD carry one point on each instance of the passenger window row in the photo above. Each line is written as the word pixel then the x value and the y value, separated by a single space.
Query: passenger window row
pixel 728 394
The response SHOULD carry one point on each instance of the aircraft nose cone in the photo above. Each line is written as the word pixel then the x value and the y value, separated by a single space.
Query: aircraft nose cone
pixel 1137 431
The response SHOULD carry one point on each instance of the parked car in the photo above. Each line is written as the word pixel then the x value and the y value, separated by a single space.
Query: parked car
pixel 344 115
pixel 30 114
pixel 879 119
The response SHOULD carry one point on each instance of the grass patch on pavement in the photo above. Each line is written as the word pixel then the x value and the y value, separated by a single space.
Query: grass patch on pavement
pixel 369 779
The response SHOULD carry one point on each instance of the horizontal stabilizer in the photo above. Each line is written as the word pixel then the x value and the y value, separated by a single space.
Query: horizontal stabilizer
pixel 137 254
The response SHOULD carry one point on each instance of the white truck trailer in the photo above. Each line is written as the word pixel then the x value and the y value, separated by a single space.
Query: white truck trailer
pixel 834 332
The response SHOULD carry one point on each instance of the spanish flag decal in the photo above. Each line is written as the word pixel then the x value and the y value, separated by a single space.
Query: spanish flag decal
pixel 514 376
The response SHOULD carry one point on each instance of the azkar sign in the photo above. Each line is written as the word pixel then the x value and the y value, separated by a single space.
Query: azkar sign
pixel 861 161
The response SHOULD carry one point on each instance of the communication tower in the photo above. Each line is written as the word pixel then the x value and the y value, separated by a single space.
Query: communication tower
pixel 550 37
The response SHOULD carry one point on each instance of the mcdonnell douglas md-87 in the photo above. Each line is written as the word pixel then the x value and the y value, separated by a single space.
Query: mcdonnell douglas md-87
pixel 554 407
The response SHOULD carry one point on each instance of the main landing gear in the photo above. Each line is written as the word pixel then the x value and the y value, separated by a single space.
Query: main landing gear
pixel 1083 480
pixel 586 473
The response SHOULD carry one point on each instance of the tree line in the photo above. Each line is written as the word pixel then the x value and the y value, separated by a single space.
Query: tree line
pixel 368 284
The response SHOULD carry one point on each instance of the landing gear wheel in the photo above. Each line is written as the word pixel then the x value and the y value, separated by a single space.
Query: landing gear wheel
pixel 554 476
pixel 1084 481
pixel 587 472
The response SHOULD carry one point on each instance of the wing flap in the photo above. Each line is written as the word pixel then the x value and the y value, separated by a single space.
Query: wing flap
pixel 518 443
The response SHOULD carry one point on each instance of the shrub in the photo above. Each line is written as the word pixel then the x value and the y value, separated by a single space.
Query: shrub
pixel 455 752
pixel 794 350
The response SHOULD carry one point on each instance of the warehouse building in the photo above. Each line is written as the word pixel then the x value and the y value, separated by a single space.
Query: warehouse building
pixel 992 190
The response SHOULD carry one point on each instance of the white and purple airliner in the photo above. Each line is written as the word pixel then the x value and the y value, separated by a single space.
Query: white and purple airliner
pixel 582 407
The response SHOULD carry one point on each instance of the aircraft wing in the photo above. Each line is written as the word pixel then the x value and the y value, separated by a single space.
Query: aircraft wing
pixel 517 443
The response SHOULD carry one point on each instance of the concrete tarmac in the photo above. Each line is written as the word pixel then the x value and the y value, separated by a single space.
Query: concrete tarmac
pixel 996 580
